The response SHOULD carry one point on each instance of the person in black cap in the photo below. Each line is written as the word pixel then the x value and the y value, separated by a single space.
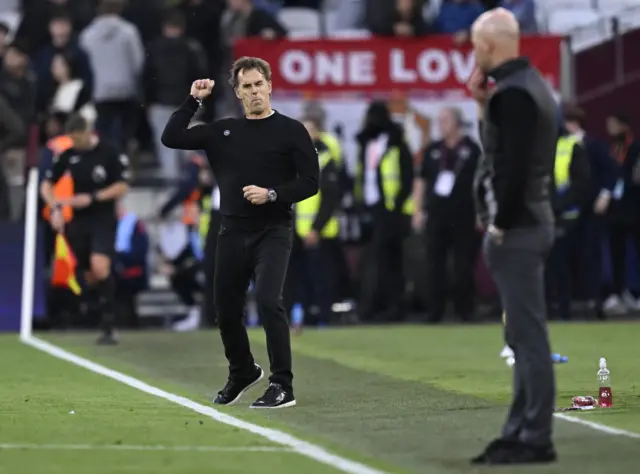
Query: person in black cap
pixel 623 213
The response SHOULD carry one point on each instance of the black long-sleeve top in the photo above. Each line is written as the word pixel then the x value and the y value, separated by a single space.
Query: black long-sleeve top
pixel 515 112
pixel 275 152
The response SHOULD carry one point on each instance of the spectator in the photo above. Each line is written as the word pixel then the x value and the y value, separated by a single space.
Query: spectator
pixel 242 20
pixel 12 135
pixel 572 186
pixel 383 188
pixel 173 62
pixel 17 83
pixel 38 14
pixel 456 17
pixel 62 41
pixel 406 21
pixel 68 92
pixel 4 32
pixel 445 186
pixel 591 222
pixel 117 60
pixel 525 13
pixel 146 16
pixel 624 215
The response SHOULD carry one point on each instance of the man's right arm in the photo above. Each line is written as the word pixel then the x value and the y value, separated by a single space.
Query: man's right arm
pixel 51 177
pixel 178 136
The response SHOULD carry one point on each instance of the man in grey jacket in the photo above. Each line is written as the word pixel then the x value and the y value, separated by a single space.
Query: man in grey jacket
pixel 116 54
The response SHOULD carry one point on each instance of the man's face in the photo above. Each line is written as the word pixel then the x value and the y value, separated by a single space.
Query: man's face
pixel 60 31
pixel 615 127
pixel 404 6
pixel 237 5
pixel 447 123
pixel 254 91
pixel 15 60
pixel 481 50
pixel 82 140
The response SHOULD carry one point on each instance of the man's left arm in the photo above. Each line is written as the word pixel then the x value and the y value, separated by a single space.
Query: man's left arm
pixel 305 159
pixel 119 177
pixel 406 176
pixel 516 113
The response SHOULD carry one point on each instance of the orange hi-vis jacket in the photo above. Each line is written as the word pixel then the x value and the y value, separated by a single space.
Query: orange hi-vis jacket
pixel 191 205
pixel 64 187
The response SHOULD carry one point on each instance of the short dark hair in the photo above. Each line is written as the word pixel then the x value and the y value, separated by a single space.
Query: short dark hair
pixel 247 63
pixel 174 17
pixel 20 46
pixel 573 113
pixel 4 28
pixel 60 14
pixel 76 123
pixel 111 7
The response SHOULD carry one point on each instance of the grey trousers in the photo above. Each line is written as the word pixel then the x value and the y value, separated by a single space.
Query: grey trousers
pixel 517 266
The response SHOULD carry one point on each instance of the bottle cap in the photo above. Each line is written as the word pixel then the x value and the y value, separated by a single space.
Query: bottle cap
pixel 603 363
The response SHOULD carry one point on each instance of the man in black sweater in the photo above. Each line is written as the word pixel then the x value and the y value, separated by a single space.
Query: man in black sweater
pixel 519 133
pixel 264 163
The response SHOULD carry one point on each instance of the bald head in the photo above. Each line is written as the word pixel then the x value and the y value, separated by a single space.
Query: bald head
pixel 496 37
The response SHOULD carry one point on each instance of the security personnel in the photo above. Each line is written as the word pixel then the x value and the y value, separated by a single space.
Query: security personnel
pixel 99 177
pixel 383 183
pixel 313 255
pixel 446 182
pixel 572 188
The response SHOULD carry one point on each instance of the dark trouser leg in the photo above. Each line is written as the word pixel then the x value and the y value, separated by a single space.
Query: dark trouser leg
pixel 209 265
pixel 558 274
pixel 618 245
pixel 231 281
pixel 185 285
pixel 323 276
pixel 271 249
pixel 106 295
pixel 517 266
pixel 437 244
pixel 394 231
pixel 464 258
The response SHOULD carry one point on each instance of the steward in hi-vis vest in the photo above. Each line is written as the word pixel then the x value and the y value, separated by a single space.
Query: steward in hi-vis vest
pixel 313 273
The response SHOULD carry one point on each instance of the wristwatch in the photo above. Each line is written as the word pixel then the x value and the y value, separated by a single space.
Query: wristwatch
pixel 272 195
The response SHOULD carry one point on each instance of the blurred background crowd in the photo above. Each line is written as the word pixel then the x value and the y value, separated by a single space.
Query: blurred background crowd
pixel 126 65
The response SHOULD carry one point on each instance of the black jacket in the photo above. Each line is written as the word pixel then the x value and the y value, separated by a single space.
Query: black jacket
pixel 577 194
pixel 172 65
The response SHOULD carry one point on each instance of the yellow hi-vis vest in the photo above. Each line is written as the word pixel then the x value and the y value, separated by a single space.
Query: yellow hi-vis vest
pixel 307 210
pixel 333 144
pixel 564 154
pixel 205 218
pixel 390 175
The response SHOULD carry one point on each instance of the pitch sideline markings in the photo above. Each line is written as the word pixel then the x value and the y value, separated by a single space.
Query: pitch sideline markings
pixel 598 426
pixel 129 447
pixel 303 448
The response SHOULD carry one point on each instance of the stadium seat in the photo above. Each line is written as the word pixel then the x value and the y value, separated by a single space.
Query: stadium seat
pixel 567 20
pixel 351 34
pixel 615 6
pixel 552 5
pixel 296 19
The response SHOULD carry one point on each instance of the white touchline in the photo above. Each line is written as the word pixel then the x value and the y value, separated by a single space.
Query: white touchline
pixel 279 437
pixel 598 426
pixel 128 447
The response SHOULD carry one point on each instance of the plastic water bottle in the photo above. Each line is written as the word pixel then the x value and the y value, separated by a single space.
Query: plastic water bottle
pixel 605 397
pixel 297 318
pixel 559 359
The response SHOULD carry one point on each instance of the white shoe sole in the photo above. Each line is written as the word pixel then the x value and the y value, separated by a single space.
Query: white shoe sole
pixel 292 403
pixel 235 400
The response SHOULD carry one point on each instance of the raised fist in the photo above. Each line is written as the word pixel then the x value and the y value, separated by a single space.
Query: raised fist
pixel 202 88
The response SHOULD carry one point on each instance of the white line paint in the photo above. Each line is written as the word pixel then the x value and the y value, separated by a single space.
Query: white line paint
pixel 128 447
pixel 304 448
pixel 598 426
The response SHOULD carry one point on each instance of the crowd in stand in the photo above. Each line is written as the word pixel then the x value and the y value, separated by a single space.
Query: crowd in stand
pixel 125 66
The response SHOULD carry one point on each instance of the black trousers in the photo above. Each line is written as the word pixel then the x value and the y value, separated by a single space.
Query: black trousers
pixel 264 256
pixel 186 285
pixel 314 274
pixel 448 235
pixel 559 269
pixel 622 227
pixel 209 265
pixel 383 281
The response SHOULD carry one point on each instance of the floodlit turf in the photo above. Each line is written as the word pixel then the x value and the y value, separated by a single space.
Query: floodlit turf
pixel 401 399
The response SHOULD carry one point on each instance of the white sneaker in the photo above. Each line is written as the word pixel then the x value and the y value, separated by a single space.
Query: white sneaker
pixel 506 353
pixel 629 301
pixel 613 305
pixel 190 323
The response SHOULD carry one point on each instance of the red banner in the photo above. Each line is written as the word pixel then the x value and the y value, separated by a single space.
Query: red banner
pixel 383 64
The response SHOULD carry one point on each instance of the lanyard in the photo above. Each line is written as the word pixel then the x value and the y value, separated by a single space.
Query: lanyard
pixel 459 162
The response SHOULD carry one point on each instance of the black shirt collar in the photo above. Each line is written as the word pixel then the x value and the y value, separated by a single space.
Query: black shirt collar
pixel 509 67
